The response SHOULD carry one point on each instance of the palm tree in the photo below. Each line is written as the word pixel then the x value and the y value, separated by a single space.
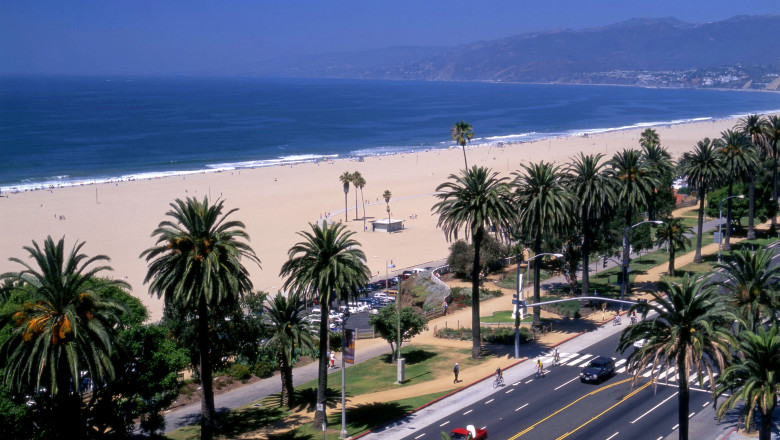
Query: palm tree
pixel 634 182
pixel 542 202
pixel 196 267
pixel 360 183
pixel 355 176
pixel 690 334
pixel 462 133
pixel 752 281
pixel 649 138
pixel 661 166
pixel 754 127
pixel 702 168
pixel 773 142
pixel 474 201
pixel 284 318
pixel 593 201
pixel 672 232
pixel 738 158
pixel 345 179
pixel 328 264
pixel 753 378
pixel 63 329
pixel 387 195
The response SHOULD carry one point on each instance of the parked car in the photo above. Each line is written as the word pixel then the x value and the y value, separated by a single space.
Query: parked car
pixel 640 343
pixel 373 311
pixel 598 370
pixel 469 433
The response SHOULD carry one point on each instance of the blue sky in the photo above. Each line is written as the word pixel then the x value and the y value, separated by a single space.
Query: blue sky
pixel 229 37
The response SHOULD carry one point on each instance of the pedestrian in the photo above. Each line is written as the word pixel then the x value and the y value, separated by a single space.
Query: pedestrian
pixel 332 360
pixel 445 306
pixel 456 370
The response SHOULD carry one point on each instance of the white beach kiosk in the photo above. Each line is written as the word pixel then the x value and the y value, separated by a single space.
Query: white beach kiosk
pixel 387 225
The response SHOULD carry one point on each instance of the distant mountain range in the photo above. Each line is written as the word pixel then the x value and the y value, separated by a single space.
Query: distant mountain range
pixel 741 52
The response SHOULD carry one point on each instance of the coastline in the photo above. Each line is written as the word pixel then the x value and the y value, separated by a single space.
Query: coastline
pixel 117 218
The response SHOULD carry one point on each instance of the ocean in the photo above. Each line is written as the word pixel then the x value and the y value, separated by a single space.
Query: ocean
pixel 74 130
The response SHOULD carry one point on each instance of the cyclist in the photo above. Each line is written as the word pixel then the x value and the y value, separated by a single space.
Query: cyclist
pixel 499 375
pixel 539 367
pixel 556 356
pixel 633 317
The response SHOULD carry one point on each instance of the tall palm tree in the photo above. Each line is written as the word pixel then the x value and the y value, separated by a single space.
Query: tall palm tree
pixel 753 378
pixel 754 127
pixel 672 233
pixel 773 143
pixel 752 282
pixel 702 168
pixel 634 182
pixel 690 334
pixel 345 178
pixel 738 158
pixel 327 264
pixel 65 328
pixel 462 132
pixel 355 177
pixel 594 200
pixel 284 318
pixel 387 195
pixel 474 201
pixel 649 137
pixel 360 183
pixel 196 267
pixel 661 166
pixel 543 203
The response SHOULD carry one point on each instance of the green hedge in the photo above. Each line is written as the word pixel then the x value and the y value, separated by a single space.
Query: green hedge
pixel 493 335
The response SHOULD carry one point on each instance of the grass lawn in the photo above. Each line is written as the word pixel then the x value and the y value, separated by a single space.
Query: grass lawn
pixel 423 363
pixel 505 316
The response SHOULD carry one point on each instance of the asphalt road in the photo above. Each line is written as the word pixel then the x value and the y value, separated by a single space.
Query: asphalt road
pixel 558 406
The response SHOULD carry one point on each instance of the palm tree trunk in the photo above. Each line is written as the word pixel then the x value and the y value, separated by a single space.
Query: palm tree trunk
pixel 537 296
pixel 288 391
pixel 697 256
pixel 765 430
pixel 464 157
pixel 208 413
pixel 476 341
pixel 751 233
pixel 683 398
pixel 726 242
pixel 356 205
pixel 322 371
pixel 346 208
pixel 773 227
pixel 671 258
pixel 585 258
pixel 362 197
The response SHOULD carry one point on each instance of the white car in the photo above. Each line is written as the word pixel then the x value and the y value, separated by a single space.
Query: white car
pixel 640 343
pixel 373 312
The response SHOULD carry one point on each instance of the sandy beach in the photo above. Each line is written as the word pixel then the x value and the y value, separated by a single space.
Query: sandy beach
pixel 117 219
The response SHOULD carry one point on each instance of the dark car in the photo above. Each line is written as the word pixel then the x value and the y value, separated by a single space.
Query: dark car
pixel 598 370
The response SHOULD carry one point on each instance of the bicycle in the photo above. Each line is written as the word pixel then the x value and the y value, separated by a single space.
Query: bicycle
pixel 616 321
pixel 539 374
pixel 498 382
pixel 556 360
pixel 633 320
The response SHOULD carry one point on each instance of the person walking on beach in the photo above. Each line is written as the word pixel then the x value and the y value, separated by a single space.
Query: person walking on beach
pixel 456 370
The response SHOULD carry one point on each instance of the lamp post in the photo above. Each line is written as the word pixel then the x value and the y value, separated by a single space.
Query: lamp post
pixel 399 361
pixel 518 300
pixel 720 221
pixel 624 284
pixel 343 378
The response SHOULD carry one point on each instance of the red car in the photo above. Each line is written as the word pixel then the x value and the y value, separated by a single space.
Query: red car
pixel 469 433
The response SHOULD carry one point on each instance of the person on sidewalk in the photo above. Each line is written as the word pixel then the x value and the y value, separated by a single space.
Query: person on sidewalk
pixel 332 360
pixel 456 370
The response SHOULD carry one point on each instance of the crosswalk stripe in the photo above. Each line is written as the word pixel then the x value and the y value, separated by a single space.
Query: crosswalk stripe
pixel 575 359
pixel 580 362
pixel 620 362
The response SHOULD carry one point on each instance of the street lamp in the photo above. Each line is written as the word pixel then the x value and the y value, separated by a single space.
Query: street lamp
pixel 399 361
pixel 518 299
pixel 343 377
pixel 720 221
pixel 624 284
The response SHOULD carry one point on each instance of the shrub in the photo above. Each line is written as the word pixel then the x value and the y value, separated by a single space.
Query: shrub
pixel 239 372
pixel 493 335
pixel 263 369
pixel 335 341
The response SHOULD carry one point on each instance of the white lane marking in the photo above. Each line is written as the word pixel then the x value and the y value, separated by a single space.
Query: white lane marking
pixel 704 381
pixel 489 401
pixel 675 426
pixel 653 408
pixel 705 404
pixel 561 386
pixel 669 371
pixel 691 414
pixel 613 435
pixel 529 381
pixel 444 423
pixel 509 390
pixel 518 409
pixel 659 438
pixel 516 383
pixel 419 436
pixel 467 412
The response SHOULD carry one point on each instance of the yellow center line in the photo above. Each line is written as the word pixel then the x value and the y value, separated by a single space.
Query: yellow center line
pixel 628 396
pixel 566 407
